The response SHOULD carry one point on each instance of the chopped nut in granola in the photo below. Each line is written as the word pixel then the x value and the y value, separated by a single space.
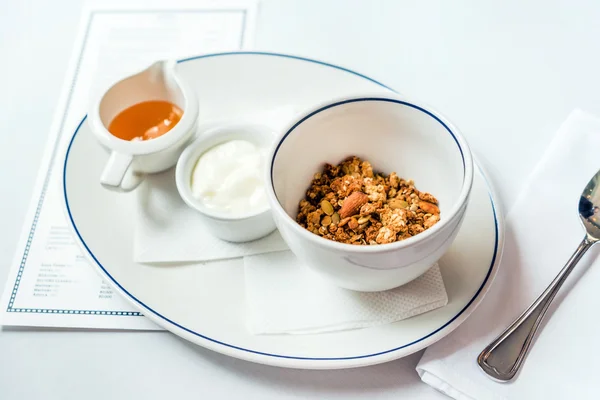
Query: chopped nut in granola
pixel 351 203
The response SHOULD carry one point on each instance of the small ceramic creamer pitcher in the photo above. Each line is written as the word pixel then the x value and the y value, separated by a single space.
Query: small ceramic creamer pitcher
pixel 129 161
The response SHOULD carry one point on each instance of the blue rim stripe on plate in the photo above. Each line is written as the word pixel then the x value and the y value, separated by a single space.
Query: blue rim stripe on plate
pixel 231 345
pixel 264 53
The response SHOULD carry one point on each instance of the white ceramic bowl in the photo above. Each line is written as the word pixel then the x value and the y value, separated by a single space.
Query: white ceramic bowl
pixel 242 228
pixel 394 134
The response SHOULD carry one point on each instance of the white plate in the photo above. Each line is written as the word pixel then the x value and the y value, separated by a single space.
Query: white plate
pixel 204 303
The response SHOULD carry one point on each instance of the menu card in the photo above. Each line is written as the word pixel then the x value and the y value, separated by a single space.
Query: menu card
pixel 50 283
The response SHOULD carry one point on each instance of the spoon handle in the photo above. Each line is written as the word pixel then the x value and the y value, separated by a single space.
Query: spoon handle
pixel 502 358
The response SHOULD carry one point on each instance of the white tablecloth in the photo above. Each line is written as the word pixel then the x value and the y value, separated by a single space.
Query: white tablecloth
pixel 507 71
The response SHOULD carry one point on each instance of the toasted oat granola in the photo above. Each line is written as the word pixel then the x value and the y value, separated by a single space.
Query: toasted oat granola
pixel 350 203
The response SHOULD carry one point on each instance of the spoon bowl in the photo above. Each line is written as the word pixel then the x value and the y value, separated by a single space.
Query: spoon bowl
pixel 588 207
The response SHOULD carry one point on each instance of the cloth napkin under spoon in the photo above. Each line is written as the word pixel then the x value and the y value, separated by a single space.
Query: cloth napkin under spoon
pixel 504 356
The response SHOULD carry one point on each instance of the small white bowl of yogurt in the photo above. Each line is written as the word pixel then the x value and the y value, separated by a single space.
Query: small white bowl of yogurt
pixel 221 175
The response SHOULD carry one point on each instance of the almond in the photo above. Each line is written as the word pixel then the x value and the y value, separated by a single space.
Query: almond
pixel 428 207
pixel 352 204
pixel 343 222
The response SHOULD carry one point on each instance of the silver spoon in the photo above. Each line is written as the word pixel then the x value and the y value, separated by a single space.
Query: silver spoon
pixel 502 358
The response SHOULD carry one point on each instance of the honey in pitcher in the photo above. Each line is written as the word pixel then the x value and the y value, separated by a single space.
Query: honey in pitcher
pixel 146 120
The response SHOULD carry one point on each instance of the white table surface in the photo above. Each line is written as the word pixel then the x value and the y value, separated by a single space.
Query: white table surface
pixel 507 73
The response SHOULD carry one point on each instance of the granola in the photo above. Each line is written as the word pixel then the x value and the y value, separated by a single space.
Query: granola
pixel 350 203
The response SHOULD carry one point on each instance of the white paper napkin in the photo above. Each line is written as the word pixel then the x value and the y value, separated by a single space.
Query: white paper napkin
pixel 167 230
pixel 283 296
pixel 543 230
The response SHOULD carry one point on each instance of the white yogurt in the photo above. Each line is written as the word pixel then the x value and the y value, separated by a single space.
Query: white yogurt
pixel 229 178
